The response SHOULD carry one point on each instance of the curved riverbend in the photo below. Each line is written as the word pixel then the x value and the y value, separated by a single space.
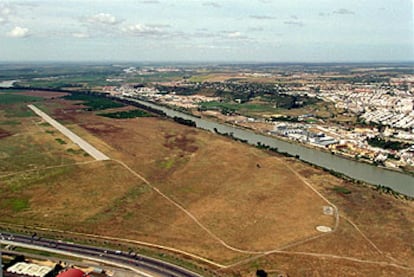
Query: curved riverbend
pixel 397 181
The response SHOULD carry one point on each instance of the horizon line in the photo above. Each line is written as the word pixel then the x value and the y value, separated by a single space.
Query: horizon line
pixel 205 62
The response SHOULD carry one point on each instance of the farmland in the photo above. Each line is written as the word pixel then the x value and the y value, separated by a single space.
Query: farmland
pixel 251 208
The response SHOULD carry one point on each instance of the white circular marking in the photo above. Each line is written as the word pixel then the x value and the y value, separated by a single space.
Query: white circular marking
pixel 324 229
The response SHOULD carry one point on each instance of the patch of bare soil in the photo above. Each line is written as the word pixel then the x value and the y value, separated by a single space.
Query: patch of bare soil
pixel 97 128
pixel 183 141
pixel 4 133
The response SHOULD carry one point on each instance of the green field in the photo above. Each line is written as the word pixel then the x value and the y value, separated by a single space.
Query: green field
pixel 94 103
pixel 9 99
pixel 126 114
pixel 84 82
pixel 58 76
pixel 15 105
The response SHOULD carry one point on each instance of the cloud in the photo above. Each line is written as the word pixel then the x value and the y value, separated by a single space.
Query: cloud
pixel 233 35
pixel 217 37
pixel 26 3
pixel 323 14
pixel 80 35
pixel 256 29
pixel 154 30
pixel 5 12
pixel 211 46
pixel 9 12
pixel 18 32
pixel 150 2
pixel 294 23
pixel 103 19
pixel 262 17
pixel 203 46
pixel 211 4
pixel 204 33
pixel 343 11
pixel 160 26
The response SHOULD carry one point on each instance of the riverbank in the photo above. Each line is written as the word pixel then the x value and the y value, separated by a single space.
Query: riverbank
pixel 188 117
pixel 341 154
pixel 396 181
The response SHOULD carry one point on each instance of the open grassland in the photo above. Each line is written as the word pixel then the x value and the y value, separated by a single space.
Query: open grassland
pixel 238 193
pixel 67 196
pixel 254 208
pixel 204 194
pixel 287 264
pixel 214 178
pixel 30 144
pixel 388 221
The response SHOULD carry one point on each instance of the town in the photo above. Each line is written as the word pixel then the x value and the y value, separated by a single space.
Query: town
pixel 370 118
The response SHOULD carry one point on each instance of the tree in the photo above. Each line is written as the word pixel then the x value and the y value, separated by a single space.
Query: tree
pixel 261 273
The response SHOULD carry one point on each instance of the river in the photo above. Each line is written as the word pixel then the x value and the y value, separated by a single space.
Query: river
pixel 399 182
pixel 7 84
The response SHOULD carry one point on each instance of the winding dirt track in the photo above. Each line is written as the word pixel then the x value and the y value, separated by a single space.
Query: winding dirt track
pixel 99 156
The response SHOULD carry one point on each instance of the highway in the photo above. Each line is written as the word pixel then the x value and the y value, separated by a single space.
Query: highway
pixel 95 153
pixel 142 265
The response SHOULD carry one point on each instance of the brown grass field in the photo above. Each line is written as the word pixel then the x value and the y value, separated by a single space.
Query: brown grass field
pixel 254 209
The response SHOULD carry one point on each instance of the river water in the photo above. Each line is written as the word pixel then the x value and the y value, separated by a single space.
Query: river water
pixel 7 84
pixel 399 182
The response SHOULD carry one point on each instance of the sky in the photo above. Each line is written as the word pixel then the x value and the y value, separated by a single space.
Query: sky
pixel 207 31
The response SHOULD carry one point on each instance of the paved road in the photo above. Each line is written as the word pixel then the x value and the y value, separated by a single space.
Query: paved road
pixel 95 153
pixel 142 265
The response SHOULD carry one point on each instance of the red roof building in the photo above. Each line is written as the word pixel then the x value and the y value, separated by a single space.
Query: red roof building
pixel 72 272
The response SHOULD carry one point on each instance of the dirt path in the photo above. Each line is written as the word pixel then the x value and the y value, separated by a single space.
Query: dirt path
pixel 99 156
pixel 324 256
pixel 47 167
pixel 256 254
pixel 211 234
